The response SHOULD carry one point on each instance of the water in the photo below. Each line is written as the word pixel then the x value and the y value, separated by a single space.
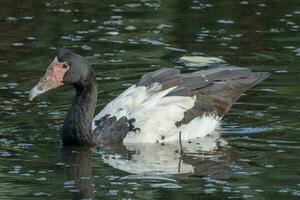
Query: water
pixel 257 156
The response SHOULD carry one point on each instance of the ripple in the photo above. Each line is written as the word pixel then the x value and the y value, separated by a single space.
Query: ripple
pixel 152 42
pixel 11 19
pixel 163 26
pixel 133 5
pixel 86 47
pixel 130 28
pixel 112 33
pixel 210 190
pixel 166 185
pixel 41 179
pixel 244 3
pixel 18 44
pixel 5 154
pixel 226 21
pixel 140 177
pixel 42 194
pixel 27 17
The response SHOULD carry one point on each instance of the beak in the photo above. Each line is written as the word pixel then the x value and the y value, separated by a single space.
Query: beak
pixel 42 87
pixel 52 79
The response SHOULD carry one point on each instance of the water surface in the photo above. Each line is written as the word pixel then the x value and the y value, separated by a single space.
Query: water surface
pixel 257 156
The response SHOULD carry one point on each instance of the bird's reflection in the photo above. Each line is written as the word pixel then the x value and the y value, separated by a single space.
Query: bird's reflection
pixel 207 156
pixel 200 157
pixel 78 170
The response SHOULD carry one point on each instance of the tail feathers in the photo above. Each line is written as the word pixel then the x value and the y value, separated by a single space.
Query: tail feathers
pixel 261 77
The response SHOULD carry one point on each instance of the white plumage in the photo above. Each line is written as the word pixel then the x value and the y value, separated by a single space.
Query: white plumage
pixel 156 115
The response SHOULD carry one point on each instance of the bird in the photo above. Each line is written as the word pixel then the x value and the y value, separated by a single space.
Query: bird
pixel 163 106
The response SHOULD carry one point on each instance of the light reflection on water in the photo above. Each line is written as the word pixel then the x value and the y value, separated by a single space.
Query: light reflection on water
pixel 123 40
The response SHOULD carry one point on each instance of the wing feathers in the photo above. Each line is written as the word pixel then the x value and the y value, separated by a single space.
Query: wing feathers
pixel 216 89
pixel 164 100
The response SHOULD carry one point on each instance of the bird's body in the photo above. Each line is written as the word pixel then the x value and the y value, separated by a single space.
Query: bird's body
pixel 163 106
pixel 165 103
pixel 150 115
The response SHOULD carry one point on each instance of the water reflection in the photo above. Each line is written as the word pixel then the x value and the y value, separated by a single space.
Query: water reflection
pixel 78 170
pixel 188 157
pixel 207 156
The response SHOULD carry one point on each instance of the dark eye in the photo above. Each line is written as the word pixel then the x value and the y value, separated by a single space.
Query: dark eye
pixel 65 66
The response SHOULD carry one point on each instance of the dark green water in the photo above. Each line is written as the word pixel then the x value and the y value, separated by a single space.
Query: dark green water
pixel 123 40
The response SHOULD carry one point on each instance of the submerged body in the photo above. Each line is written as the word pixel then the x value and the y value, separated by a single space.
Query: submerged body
pixel 164 106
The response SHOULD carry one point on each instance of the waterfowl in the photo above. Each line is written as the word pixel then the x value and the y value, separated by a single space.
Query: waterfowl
pixel 163 106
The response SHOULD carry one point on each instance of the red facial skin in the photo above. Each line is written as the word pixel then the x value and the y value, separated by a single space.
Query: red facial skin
pixel 54 75
pixel 53 78
pixel 56 71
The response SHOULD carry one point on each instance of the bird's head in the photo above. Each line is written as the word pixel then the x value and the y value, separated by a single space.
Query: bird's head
pixel 67 68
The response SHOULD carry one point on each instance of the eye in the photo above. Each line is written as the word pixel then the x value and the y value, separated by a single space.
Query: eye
pixel 65 66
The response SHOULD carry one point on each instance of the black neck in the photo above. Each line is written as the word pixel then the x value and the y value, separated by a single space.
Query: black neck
pixel 77 128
